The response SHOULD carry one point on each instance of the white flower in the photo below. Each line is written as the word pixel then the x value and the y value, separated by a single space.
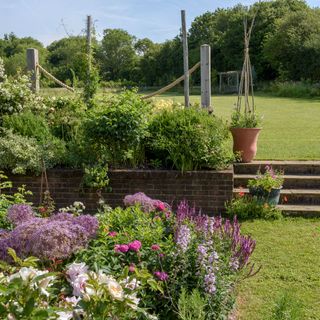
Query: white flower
pixel 115 290
pixel 64 315
pixel 134 301
pixel 79 284
pixel 76 269
pixel 73 301
pixel 133 284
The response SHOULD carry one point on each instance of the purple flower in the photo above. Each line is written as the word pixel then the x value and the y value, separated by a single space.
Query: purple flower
pixel 20 213
pixel 210 283
pixel 90 223
pixel 162 276
pixel 48 238
pixel 183 237
pixel 135 245
pixel 146 203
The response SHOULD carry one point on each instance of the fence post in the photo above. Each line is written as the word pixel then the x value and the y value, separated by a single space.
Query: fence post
pixel 185 58
pixel 32 66
pixel 205 54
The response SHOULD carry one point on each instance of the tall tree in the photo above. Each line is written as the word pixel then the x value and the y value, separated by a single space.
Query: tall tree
pixel 117 55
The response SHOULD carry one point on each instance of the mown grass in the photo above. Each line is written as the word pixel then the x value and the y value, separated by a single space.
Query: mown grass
pixel 289 252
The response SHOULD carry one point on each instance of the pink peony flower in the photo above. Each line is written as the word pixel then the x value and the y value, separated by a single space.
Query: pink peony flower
pixel 132 267
pixel 162 276
pixel 160 205
pixel 155 247
pixel 121 248
pixel 112 234
pixel 135 245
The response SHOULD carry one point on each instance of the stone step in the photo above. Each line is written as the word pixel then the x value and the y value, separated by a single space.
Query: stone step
pixel 289 167
pixel 293 196
pixel 290 181
pixel 300 210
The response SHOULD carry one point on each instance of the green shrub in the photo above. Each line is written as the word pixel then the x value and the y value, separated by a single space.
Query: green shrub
pixel 247 207
pixel 20 154
pixel 28 124
pixel 191 306
pixel 119 127
pixel 189 139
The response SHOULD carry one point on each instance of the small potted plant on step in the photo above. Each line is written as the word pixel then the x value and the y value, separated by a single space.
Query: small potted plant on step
pixel 267 186
pixel 244 121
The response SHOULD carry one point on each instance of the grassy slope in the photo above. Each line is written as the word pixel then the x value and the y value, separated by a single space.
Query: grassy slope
pixel 291 127
pixel 289 252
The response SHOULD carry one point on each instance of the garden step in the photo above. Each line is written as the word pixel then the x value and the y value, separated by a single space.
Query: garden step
pixel 293 196
pixel 300 210
pixel 289 167
pixel 290 181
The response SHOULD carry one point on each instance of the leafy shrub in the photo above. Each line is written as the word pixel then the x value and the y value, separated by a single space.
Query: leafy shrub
pixel 119 128
pixel 247 207
pixel 189 139
pixel 240 120
pixel 56 237
pixel 191 306
pixel 28 124
pixel 19 153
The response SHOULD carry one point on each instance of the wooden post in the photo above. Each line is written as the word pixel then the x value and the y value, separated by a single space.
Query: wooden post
pixel 89 54
pixel 185 58
pixel 205 56
pixel 32 65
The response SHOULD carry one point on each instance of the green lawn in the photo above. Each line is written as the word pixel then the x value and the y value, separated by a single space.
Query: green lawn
pixel 291 127
pixel 289 252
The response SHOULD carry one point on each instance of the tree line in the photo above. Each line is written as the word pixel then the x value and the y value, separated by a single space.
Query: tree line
pixel 285 45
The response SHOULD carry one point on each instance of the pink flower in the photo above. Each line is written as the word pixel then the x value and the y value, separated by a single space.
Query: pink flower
pixel 162 276
pixel 112 234
pixel 121 248
pixel 168 214
pixel 160 205
pixel 132 267
pixel 135 245
pixel 161 255
pixel 155 247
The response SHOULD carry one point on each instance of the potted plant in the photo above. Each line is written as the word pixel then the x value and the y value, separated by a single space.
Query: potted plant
pixel 267 186
pixel 244 121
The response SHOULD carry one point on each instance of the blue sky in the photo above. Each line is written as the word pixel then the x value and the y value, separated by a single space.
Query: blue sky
pixel 49 20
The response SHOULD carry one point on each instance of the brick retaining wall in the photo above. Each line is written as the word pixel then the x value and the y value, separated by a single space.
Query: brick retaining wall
pixel 208 190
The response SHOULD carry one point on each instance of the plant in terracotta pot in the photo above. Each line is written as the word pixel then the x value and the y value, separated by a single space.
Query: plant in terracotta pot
pixel 267 186
pixel 244 121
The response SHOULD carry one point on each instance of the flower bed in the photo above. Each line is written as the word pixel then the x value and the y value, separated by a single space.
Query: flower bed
pixel 140 262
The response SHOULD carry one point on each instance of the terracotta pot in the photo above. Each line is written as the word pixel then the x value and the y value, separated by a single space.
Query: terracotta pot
pixel 245 141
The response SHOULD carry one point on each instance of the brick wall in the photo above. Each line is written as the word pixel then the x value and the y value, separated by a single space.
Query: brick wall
pixel 207 190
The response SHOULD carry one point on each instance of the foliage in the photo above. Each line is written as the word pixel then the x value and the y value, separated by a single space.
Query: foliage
pixel 116 54
pixel 191 306
pixel 119 128
pixel 7 200
pixel 240 120
pixel 189 139
pixel 270 179
pixel 247 207
pixel 20 154
pixel 96 177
